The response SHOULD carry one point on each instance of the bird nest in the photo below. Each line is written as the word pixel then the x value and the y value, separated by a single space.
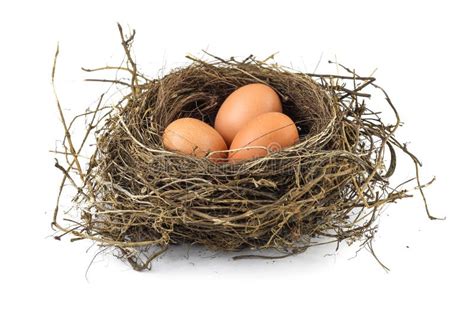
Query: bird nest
pixel 140 198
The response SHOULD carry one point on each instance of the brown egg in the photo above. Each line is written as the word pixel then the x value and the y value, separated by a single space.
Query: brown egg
pixel 194 137
pixel 272 131
pixel 242 105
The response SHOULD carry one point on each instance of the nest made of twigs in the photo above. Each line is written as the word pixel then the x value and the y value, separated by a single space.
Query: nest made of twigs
pixel 141 198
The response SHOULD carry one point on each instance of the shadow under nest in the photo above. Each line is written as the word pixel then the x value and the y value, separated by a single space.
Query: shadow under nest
pixel 140 198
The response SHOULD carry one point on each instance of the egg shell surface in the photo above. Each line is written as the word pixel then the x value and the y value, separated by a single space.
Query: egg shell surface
pixel 242 105
pixel 271 131
pixel 194 137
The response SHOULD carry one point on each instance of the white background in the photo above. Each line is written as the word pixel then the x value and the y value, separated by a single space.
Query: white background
pixel 424 58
